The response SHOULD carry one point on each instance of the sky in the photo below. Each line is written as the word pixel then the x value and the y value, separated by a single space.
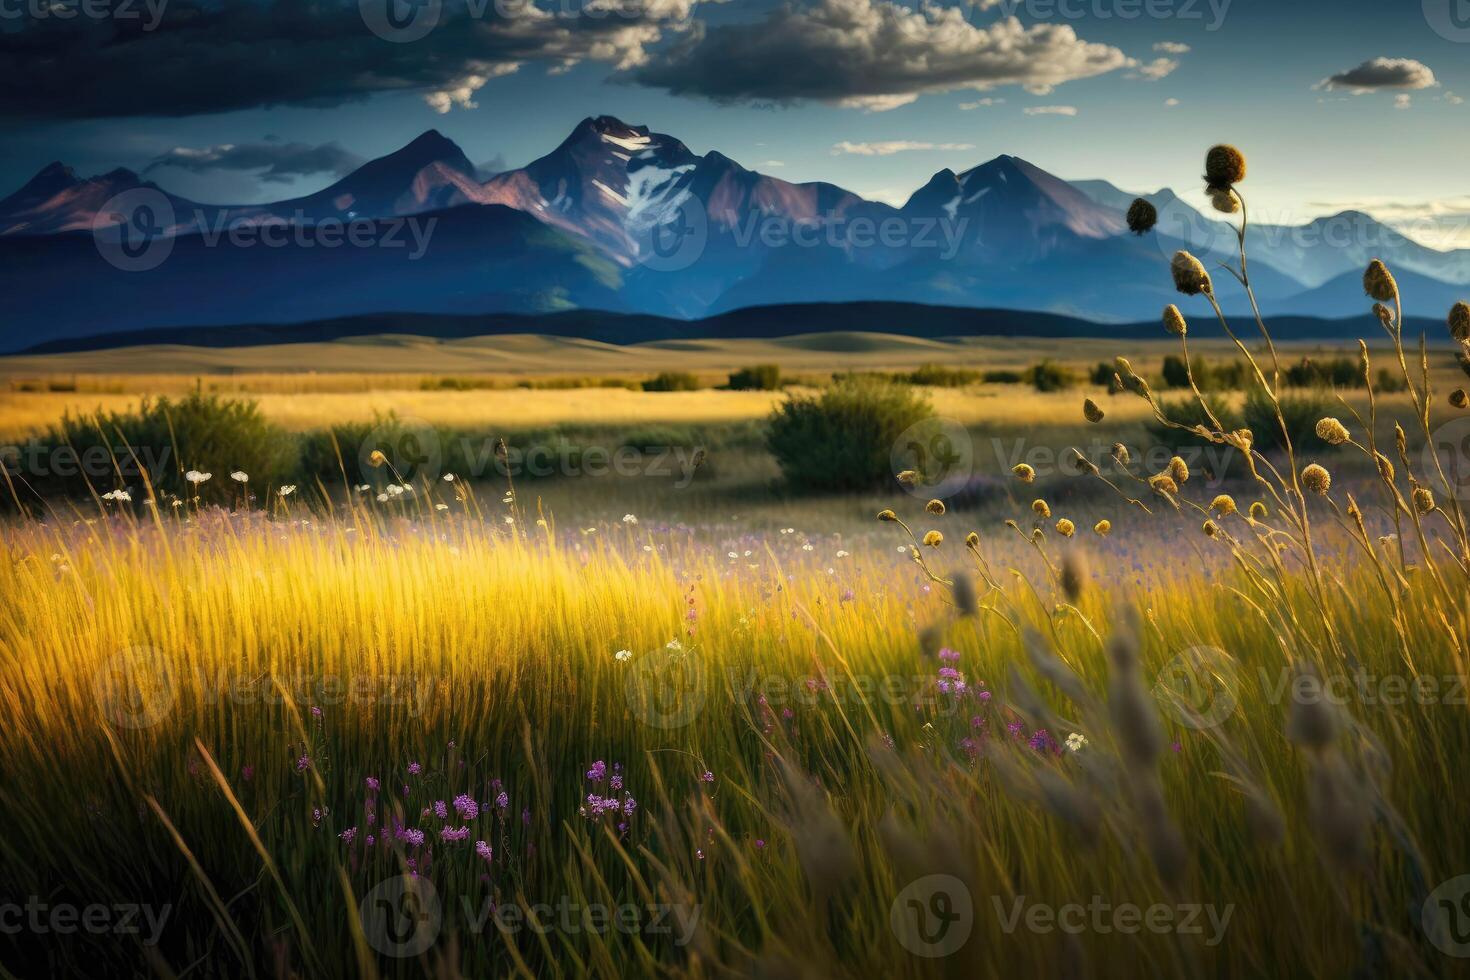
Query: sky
pixel 1338 104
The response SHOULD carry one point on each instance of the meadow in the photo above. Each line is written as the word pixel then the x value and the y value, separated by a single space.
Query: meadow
pixel 1185 702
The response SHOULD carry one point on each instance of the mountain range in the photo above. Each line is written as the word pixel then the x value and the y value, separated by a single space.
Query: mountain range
pixel 627 221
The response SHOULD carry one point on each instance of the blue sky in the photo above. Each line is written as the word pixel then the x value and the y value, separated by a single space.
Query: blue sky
pixel 1125 102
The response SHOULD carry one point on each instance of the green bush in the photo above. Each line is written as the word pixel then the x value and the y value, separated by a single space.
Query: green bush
pixel 1050 376
pixel 937 376
pixel 1004 377
pixel 167 438
pixel 1301 410
pixel 842 439
pixel 672 381
pixel 759 377
pixel 1187 411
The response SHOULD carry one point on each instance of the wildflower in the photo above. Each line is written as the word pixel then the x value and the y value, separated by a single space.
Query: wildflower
pixel 1424 500
pixel 414 768
pixel 972 540
pixel 908 478
pixel 933 539
pixel 502 800
pixel 1459 399
pixel 1332 432
pixel 441 506
pixel 1066 528
pixel 1163 483
pixel 440 810
pixel 887 516
pixel 630 519
pixel 1041 508
pixel 1258 511
pixel 484 850
pixel 195 477
pixel 1190 277
pixel 1211 529
pixel 376 458
pixel 240 476
pixel 949 656
pixel 1103 528
pixel 1179 470
pixel 1142 216
pixel 1174 321
pixel 316 712
pixel 1224 166
pixel 1378 282
pixel 1316 479
pixel 448 477
pixel 1091 412
pixel 935 507
pixel 1459 321
pixel 287 490
pixel 622 656
pixel 303 763
pixel 708 777
pixel 411 836
pixel 350 834
pixel 1075 741
pixel 1224 503
pixel 372 783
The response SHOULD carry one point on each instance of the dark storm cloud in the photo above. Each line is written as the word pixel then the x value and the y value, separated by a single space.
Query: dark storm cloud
pixel 204 58
pixel 1381 73
pixel 873 54
pixel 277 162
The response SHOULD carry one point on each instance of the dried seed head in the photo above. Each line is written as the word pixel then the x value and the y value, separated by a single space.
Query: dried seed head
pixel 1103 528
pixel 1460 322
pixel 1211 529
pixel 1385 468
pixel 935 507
pixel 1091 412
pixel 934 539
pixel 1142 216
pixel 1224 202
pixel 908 478
pixel 1424 500
pixel 1164 483
pixel 1179 470
pixel 1258 511
pixel 1459 399
pixel 1190 277
pixel 1121 454
pixel 1378 282
pixel 1066 528
pixel 1224 504
pixel 1316 479
pixel 1083 464
pixel 1384 314
pixel 972 540
pixel 1332 432
pixel 1400 440
pixel 1023 472
pixel 887 516
pixel 376 458
pixel 1174 321
pixel 1042 509
pixel 1224 166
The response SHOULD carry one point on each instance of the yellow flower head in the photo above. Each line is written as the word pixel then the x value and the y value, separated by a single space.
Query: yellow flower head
pixel 1316 479
pixel 934 539
pixel 1023 472
pixel 1103 528
pixel 1224 504
pixel 935 507
pixel 1041 508
pixel 887 516
pixel 1066 528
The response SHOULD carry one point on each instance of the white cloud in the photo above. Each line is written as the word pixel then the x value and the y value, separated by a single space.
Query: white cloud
pixel 1154 70
pixel 1382 73
pixel 1051 110
pixel 1172 47
pixel 772 163
pixel 890 147
pixel 1171 103
pixel 981 104
pixel 1403 102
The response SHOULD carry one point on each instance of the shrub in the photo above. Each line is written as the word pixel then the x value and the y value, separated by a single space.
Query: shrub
pixel 759 377
pixel 936 376
pixel 1004 377
pixel 167 438
pixel 1050 376
pixel 672 381
pixel 1187 411
pixel 842 439
pixel 1300 410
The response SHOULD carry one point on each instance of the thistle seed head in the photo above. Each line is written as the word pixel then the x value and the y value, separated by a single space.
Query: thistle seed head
pixel 1424 500
pixel 1066 528
pixel 1378 282
pixel 1224 166
pixel 887 516
pixel 1103 528
pixel 1024 472
pixel 1042 509
pixel 1190 277
pixel 1174 321
pixel 1223 504
pixel 1459 398
pixel 1332 432
pixel 1316 479
pixel 935 507
pixel 1459 321
pixel 1121 454
pixel 1142 216
pixel 1179 470
pixel 1091 412
pixel 933 539
pixel 1224 202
